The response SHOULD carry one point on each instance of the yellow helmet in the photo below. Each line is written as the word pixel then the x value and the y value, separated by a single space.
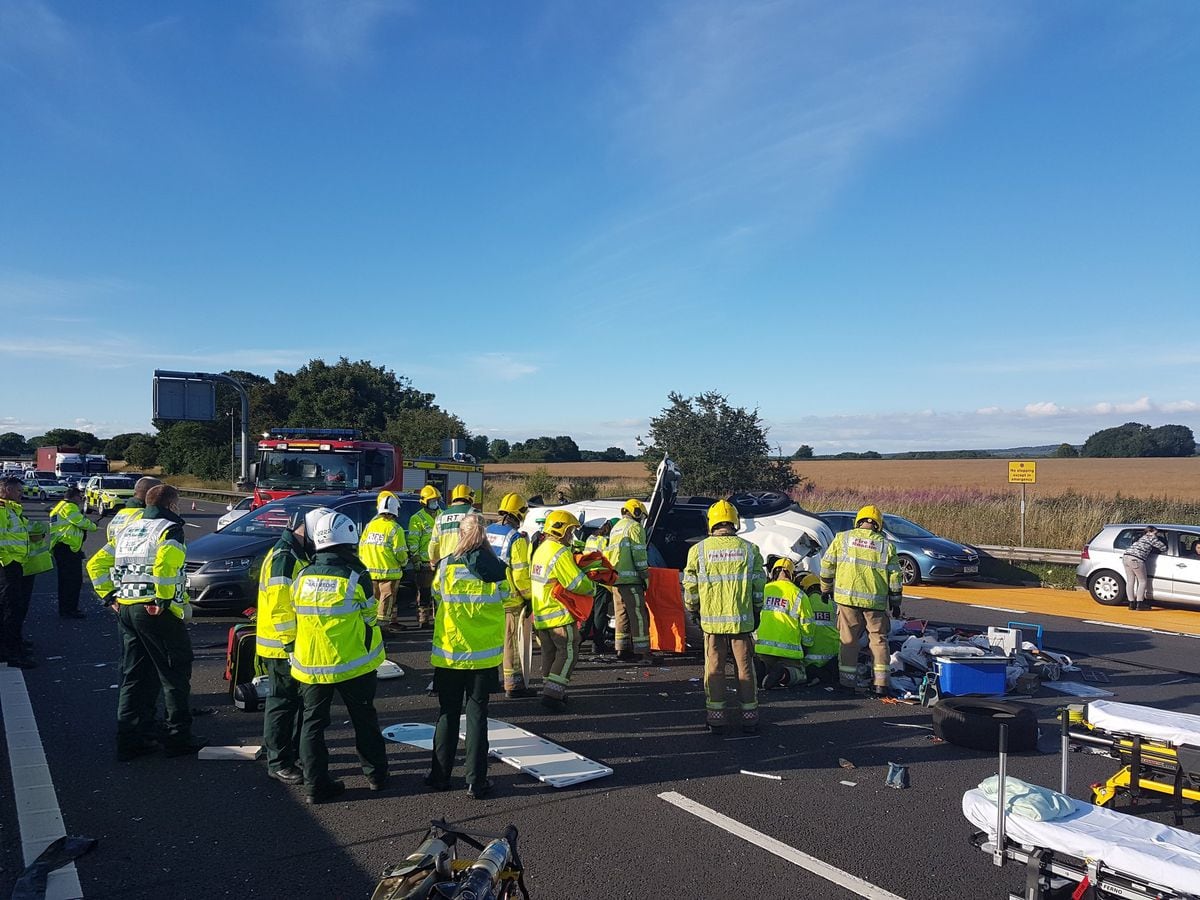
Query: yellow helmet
pixel 784 563
pixel 869 512
pixel 723 511
pixel 514 505
pixel 429 492
pixel 809 583
pixel 461 492
pixel 634 508
pixel 558 523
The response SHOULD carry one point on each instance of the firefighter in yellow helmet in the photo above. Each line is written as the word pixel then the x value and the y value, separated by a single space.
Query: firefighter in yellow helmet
pixel 778 645
pixel 626 552
pixel 861 572
pixel 555 572
pixel 512 547
pixel 420 530
pixel 383 549
pixel 723 585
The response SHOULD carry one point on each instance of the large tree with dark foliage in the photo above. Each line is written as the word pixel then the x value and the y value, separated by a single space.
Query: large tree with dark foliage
pixel 721 448
pixel 1135 439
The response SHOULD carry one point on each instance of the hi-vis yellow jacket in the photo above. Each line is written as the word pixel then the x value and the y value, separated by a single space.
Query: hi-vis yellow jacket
pixel 862 568
pixel 723 580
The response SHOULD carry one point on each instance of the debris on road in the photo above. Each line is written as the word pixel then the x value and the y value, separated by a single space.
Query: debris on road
pixel 849 783
pixel 238 753
pixel 846 764
pixel 897 776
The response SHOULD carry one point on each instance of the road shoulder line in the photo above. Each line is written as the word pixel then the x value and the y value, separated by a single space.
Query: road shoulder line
pixel 38 813
pixel 817 867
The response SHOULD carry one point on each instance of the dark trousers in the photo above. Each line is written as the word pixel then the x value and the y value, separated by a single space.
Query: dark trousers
pixel 10 608
pixel 596 625
pixel 69 564
pixel 358 694
pixel 281 715
pixel 156 651
pixel 24 596
pixel 454 686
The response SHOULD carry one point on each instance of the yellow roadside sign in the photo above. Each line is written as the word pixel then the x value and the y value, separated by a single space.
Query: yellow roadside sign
pixel 1023 472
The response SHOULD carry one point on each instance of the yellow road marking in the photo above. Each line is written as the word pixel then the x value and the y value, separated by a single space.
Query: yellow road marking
pixel 1052 602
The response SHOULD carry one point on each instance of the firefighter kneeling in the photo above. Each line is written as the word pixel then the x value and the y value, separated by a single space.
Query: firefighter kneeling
pixel 723 590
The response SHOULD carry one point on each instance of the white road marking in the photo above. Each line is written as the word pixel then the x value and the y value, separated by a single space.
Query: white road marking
pixel 1140 628
pixel 852 883
pixel 38 814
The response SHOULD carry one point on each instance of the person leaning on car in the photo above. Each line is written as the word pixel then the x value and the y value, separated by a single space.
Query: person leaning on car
pixel 861 572
pixel 1134 561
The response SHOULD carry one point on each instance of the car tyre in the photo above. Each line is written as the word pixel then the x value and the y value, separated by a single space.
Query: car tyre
pixel 1107 588
pixel 909 570
pixel 975 723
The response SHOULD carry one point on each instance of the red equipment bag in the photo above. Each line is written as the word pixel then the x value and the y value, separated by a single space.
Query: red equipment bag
pixel 596 567
pixel 578 605
pixel 664 602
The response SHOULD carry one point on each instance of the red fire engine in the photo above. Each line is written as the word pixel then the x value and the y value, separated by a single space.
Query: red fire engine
pixel 323 460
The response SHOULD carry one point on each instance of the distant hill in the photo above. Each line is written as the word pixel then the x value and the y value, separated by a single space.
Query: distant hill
pixel 1008 453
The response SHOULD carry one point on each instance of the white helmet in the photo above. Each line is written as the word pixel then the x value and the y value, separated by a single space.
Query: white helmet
pixel 312 517
pixel 334 529
pixel 388 504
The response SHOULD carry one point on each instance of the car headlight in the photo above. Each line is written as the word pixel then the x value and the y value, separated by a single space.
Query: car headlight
pixel 228 565
pixel 931 553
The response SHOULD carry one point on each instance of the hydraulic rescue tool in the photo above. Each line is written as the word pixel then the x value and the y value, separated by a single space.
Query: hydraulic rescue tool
pixel 436 872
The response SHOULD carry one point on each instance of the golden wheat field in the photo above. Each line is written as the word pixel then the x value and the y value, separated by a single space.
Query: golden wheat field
pixel 1175 478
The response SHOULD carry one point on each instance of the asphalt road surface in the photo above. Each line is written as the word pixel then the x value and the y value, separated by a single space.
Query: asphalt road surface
pixel 191 828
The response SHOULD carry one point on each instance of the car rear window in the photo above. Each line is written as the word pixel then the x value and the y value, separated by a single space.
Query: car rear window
pixel 1125 538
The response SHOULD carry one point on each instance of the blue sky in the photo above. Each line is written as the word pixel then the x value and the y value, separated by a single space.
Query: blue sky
pixel 887 226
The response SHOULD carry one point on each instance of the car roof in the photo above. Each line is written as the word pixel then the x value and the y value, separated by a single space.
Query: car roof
pixel 1159 525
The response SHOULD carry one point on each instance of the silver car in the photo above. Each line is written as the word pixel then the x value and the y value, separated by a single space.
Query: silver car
pixel 1174 576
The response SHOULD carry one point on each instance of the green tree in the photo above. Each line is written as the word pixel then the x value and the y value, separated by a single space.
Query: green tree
pixel 142 452
pixel 1135 439
pixel 350 395
pixel 1173 440
pixel 1065 451
pixel 69 437
pixel 477 446
pixel 117 445
pixel 13 444
pixel 498 448
pixel 419 432
pixel 805 452
pixel 721 448
pixel 546 449
pixel 183 447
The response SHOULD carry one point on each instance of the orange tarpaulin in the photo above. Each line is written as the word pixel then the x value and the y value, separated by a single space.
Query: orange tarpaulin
pixel 664 602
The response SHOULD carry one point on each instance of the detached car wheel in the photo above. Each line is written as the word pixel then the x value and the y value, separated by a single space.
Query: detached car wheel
pixel 909 570
pixel 974 722
pixel 1107 588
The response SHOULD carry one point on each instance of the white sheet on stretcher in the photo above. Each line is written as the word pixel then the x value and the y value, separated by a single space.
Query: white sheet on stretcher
pixel 1157 724
pixel 1135 847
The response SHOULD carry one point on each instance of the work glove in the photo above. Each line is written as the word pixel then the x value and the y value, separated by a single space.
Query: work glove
pixel 757 617
pixel 894 606
pixel 694 615
pixel 827 596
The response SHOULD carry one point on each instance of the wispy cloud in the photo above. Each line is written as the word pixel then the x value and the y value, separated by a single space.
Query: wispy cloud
pixel 504 366
pixel 336 33
pixel 118 352
pixel 39 292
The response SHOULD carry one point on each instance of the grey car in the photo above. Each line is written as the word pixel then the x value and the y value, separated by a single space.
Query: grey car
pixel 222 567
pixel 1174 576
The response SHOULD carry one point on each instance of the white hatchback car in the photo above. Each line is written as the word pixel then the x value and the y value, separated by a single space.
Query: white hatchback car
pixel 1174 576
pixel 234 511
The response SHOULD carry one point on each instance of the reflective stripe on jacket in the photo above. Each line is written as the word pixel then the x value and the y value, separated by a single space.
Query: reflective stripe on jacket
pixel 779 631
pixel 597 543
pixel 554 564
pixel 14 536
pixel 724 580
pixel 279 570
pixel 468 628
pixel 133 511
pixel 818 628
pixel 39 558
pixel 383 548
pixel 862 566
pixel 99 567
pixel 67 525
pixel 332 623
pixel 626 552
pixel 445 527
pixel 148 567
pixel 420 529
pixel 512 547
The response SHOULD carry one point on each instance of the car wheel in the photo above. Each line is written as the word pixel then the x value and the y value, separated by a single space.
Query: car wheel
pixel 909 569
pixel 1107 588
pixel 760 503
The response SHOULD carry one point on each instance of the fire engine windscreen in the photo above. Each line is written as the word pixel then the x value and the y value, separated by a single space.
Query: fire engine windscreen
pixel 307 471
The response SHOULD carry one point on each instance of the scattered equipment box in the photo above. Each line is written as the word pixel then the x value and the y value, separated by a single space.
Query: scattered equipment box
pixel 979 675
pixel 1007 639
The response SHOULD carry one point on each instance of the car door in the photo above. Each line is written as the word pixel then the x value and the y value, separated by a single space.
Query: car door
pixel 1182 565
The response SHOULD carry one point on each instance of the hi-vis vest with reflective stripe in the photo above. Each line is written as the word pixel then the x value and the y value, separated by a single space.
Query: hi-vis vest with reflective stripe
pixel 553 564
pixel 383 549
pixel 724 580
pixel 67 525
pixel 99 567
pixel 335 634
pixel 626 551
pixel 779 630
pixel 512 548
pixel 420 529
pixel 14 536
pixel 597 543
pixel 279 570
pixel 468 630
pixel 818 628
pixel 39 559
pixel 863 567
pixel 444 527
pixel 148 567
pixel 119 521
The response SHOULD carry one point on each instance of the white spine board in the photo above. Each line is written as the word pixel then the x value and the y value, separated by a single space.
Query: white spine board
pixel 546 761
